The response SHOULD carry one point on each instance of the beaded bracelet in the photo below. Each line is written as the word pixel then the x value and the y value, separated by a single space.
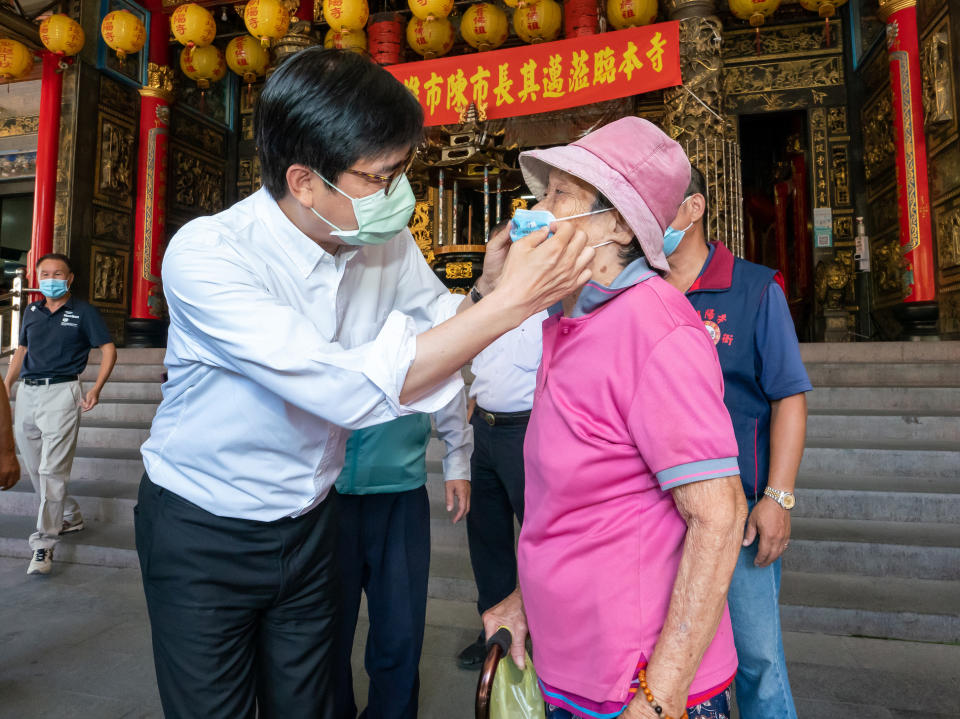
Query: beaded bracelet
pixel 653 702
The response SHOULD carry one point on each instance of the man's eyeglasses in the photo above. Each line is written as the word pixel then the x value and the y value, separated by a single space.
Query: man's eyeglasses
pixel 391 181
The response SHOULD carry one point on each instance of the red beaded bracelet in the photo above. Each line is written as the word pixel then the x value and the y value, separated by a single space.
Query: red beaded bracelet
pixel 653 702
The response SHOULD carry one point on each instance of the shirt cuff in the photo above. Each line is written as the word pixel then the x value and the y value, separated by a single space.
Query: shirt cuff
pixel 789 390
pixel 697 472
pixel 387 365
pixel 456 466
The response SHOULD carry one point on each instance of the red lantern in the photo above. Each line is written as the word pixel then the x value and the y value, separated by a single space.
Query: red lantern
pixel 580 18
pixel 385 35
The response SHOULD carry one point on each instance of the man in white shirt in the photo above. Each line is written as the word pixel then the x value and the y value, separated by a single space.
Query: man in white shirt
pixel 300 313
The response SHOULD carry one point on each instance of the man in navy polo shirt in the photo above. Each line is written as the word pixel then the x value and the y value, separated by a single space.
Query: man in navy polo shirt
pixel 745 311
pixel 56 335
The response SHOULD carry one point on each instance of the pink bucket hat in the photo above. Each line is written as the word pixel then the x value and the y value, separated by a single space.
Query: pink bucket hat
pixel 634 164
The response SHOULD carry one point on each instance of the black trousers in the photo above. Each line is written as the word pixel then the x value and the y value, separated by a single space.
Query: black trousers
pixel 242 612
pixel 496 497
pixel 384 550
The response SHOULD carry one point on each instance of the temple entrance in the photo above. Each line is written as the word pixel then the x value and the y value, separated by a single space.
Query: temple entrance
pixel 777 206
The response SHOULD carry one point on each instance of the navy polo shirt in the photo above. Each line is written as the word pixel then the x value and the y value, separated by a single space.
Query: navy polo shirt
pixel 59 343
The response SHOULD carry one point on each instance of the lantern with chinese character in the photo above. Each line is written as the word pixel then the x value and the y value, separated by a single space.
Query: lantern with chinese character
pixel 266 20
pixel 123 32
pixel 484 26
pixel 346 15
pixel 353 40
pixel 247 58
pixel 538 21
pixel 430 9
pixel 15 60
pixel 203 64
pixel 756 11
pixel 631 13
pixel 61 35
pixel 430 38
pixel 193 25
pixel 826 8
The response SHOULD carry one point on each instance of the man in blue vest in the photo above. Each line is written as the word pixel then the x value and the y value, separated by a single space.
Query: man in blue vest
pixel 384 551
pixel 745 311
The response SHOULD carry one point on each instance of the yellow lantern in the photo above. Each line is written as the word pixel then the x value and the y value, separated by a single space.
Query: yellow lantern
pixel 266 20
pixel 123 32
pixel 826 8
pixel 61 34
pixel 193 25
pixel 631 13
pixel 353 40
pixel 15 60
pixel 342 15
pixel 538 21
pixel 247 58
pixel 430 38
pixel 203 64
pixel 484 26
pixel 756 11
pixel 430 9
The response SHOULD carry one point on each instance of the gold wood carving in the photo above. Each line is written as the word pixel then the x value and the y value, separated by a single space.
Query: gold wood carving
pixel 701 62
pixel 878 140
pixel 791 75
pixel 843 227
pixel 887 261
pixel 159 82
pixel 780 41
pixel 113 182
pixel 950 313
pixel 111 225
pixel 837 121
pixel 948 239
pixel 938 104
pixel 459 270
pixel 841 175
pixel 420 229
pixel 10 126
pixel 818 133
pixel 109 285
pixel 198 184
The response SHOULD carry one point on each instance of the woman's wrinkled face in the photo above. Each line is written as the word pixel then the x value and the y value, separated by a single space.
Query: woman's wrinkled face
pixel 566 195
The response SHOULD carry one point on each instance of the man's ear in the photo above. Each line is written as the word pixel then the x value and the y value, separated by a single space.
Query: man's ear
pixel 300 184
pixel 696 206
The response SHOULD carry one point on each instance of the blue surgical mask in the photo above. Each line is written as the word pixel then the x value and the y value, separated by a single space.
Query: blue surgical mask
pixel 54 289
pixel 380 216
pixel 525 222
pixel 672 238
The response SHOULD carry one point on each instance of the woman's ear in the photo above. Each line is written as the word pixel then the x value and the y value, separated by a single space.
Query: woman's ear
pixel 621 232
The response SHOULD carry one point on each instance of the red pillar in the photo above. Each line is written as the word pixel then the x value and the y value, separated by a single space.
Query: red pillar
pixel 48 146
pixel 145 324
pixel 305 11
pixel 916 233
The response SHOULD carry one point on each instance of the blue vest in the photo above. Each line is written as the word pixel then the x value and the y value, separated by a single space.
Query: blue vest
pixel 386 458
pixel 727 295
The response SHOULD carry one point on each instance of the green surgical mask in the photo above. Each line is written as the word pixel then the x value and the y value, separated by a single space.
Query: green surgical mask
pixel 380 216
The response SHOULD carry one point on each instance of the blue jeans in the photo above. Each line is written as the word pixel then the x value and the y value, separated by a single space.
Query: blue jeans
pixel 716 707
pixel 763 690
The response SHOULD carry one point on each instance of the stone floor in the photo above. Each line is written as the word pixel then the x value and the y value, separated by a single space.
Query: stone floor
pixel 77 645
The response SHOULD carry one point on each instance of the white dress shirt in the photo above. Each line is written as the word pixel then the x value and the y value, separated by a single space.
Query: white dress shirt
pixel 275 350
pixel 506 371
pixel 457 436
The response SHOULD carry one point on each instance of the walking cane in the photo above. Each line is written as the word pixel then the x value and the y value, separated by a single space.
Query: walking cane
pixel 497 647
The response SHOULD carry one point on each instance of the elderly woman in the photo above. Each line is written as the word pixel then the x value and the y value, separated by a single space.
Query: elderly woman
pixel 634 508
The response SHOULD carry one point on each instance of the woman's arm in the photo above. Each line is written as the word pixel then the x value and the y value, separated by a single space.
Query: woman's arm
pixel 715 511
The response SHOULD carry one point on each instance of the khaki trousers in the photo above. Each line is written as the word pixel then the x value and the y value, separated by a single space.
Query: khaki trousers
pixel 46 424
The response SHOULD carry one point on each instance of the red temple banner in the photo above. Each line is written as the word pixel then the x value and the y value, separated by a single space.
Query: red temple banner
pixel 548 76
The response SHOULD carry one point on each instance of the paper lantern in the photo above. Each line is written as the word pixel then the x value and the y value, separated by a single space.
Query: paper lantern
pixel 538 21
pixel 123 32
pixel 631 13
pixel 514 3
pixel 430 38
pixel 266 20
pixel 385 38
pixel 203 64
pixel 353 40
pixel 580 18
pixel 247 58
pixel 61 34
pixel 16 60
pixel 193 25
pixel 430 9
pixel 344 15
pixel 826 8
pixel 484 26
pixel 756 11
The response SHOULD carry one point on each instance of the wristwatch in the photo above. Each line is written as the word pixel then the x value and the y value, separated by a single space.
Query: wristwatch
pixel 781 497
pixel 475 294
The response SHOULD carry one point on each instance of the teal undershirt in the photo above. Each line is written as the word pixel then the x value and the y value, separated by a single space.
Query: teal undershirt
pixel 387 458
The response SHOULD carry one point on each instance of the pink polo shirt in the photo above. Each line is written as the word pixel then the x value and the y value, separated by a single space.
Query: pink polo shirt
pixel 628 404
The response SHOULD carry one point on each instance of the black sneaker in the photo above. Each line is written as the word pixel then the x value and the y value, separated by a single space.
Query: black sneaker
pixel 472 656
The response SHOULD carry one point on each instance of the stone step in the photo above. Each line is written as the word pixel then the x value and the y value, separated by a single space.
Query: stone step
pixel 104 544
pixel 874 374
pixel 910 400
pixel 100 500
pixel 119 435
pixel 107 463
pixel 936 459
pixel 880 351
pixel 875 426
pixel 913 609
pixel 875 483
pixel 875 549
pixel 143 391
pixel 891 506
pixel 127 373
pixel 119 411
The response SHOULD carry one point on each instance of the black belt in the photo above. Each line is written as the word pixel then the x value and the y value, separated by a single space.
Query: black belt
pixel 57 379
pixel 503 418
